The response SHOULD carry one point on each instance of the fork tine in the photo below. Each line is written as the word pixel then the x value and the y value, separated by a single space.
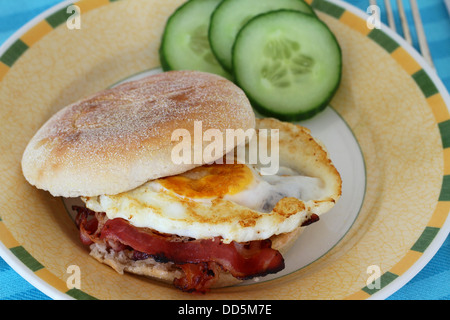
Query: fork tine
pixel 390 15
pixel 421 33
pixel 404 20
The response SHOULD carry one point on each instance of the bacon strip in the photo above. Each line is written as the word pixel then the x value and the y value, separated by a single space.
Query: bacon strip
pixel 201 260
pixel 243 261
pixel 198 277
pixel 88 227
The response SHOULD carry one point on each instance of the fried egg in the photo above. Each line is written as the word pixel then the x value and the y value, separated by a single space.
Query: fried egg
pixel 232 201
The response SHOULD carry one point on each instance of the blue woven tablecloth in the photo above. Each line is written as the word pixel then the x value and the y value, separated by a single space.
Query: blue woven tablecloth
pixel 432 283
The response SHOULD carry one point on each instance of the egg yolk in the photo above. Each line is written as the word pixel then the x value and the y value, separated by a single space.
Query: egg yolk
pixel 216 180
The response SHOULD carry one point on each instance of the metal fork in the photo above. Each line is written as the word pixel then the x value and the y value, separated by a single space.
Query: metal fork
pixel 423 44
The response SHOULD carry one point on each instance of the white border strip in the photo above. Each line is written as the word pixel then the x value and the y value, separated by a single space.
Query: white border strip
pixel 30 276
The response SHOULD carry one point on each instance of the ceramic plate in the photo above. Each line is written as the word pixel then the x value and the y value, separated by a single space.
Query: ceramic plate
pixel 387 131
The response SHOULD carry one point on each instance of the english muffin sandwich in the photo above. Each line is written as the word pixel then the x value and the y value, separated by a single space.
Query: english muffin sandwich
pixel 196 224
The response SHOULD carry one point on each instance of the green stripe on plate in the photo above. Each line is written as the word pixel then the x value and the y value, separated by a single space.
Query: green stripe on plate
pixel 425 83
pixel 383 40
pixel 80 295
pixel 445 189
pixel 13 53
pixel 385 279
pixel 329 8
pixel 59 17
pixel 26 258
pixel 444 128
pixel 425 239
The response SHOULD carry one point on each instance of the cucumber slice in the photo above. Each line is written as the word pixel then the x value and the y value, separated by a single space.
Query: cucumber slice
pixel 288 63
pixel 231 15
pixel 185 44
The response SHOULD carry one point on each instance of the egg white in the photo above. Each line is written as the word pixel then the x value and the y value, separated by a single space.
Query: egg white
pixel 243 216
